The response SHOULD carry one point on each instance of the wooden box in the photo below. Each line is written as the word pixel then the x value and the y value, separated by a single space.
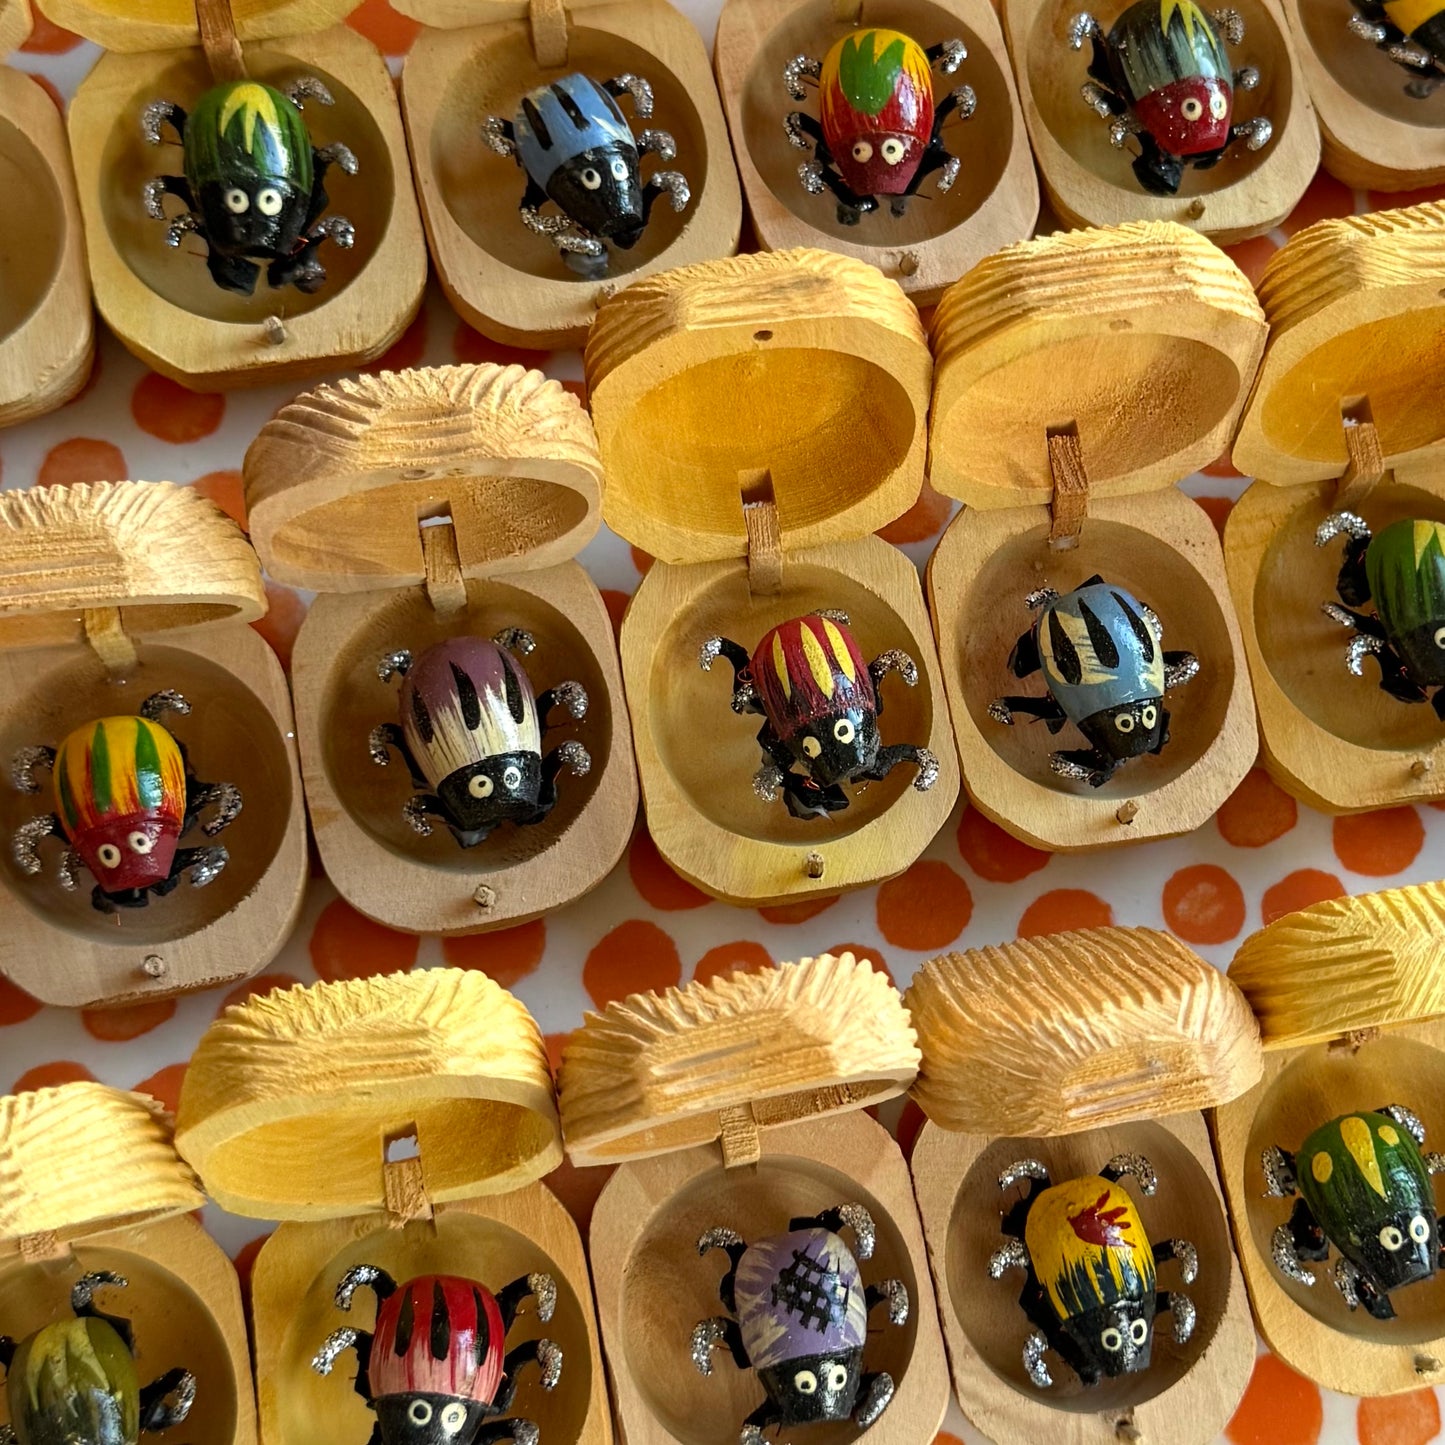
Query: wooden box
pixel 46 332
pixel 479 58
pixel 759 418
pixel 1344 416
pixel 1069 1050
pixel 161 302
pixel 1376 137
pixel 115 590
pixel 1079 377
pixel 740 1103
pixel 995 199
pixel 403 1122
pixel 424 505
pixel 90 1180
pixel 1350 1003
pixel 1090 182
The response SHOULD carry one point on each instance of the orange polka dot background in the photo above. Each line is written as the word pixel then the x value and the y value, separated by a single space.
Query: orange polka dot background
pixel 1262 856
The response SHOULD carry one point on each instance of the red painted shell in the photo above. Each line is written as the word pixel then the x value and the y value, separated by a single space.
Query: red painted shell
pixel 807 669
pixel 438 1334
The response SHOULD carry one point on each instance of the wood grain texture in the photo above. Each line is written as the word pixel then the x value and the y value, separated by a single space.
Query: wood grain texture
pixel 652 1073
pixel 652 1288
pixel 171 24
pixel 1188 1393
pixel 15 23
pixel 290 1099
pixel 504 280
pixel 821 353
pixel 995 200
pixel 46 329
pixel 1090 183
pixel 463 14
pixel 1145 337
pixel 162 303
pixel 1372 961
pixel 1164 549
pixel 1309 1327
pixel 1076 1031
pixel 337 480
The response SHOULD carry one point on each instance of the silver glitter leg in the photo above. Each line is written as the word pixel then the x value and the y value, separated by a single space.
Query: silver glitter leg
pixel 1407 1119
pixel 526 1432
pixel 340 156
pixel 640 91
pixel 1338 522
pixel 69 870
pixel 82 1292
pixel 998 710
pixel 1185 1316
pixel 414 810
pixel 1068 768
pixel 227 800
pixel 1034 1348
pixel 153 198
pixel 880 1396
pixel 1176 674
pixel 1121 127
pixel 158 704
pixel 1137 1165
pixel 894 660
pixel 965 102
pixel 544 1291
pixel 576 757
pixel 793 129
pixel 896 1293
pixel 707 1335
pixel 360 1276
pixel 1188 1259
pixel 1081 28
pixel 751 1435
pixel 1346 1279
pixel 1040 597
pixel 833 614
pixel 745 694
pixel 24 764
pixel 553 227
pixel 209 866
pixel 794 72
pixel 865 1234
pixel 1336 613
pixel 1256 132
pixel 1152 618
pixel 8 1436
pixel 955 52
pixel 494 132
pixel 810 173
pixel 1434 1163
pixel 1361 646
pixel 378 744
pixel 516 639
pixel 1407 53
pixel 1231 26
pixel 394 664
pixel 1246 78
pixel 571 697
pixel 1022 1169
pixel 718 1237
pixel 676 186
pixel 336 1344
pixel 657 143
pixel 308 87
pixel 767 780
pixel 927 771
pixel 709 653
pixel 181 227
pixel 157 114
pixel 1010 1255
pixel 337 229
pixel 1286 1257
pixel 25 843
pixel 549 1356
pixel 1366 29
pixel 1096 99
pixel 948 175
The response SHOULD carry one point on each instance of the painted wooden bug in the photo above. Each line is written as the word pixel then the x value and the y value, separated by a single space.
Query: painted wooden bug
pixel 436 1368
pixel 820 703
pixel 253 186
pixel 471 735
pixel 578 151
pixel 1091 1293
pixel 1162 75
pixel 1402 571
pixel 1100 651
pixel 1412 34
pixel 879 132
pixel 125 795
pixel 76 1381
pixel 798 1316
pixel 1364 1186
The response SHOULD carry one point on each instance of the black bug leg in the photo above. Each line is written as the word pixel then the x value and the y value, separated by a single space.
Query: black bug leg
pixel 1084 765
pixel 1181 1307
pixel 708 1334
pixel 167 1401
pixel 161 113
pixel 381 1284
pixel 732 1244
pixel 875 1394
pixel 745 693
pixel 1155 169
pixel 1041 709
pixel 1299 1240
pixel 387 736
pixel 843 1216
pixel 890 758
pixel 571 697
pixel 570 755
pixel 802 128
pixel 520 1432
pixel 672 184
pixel 765 1417
pixel 541 1287
pixel 230 273
pixel 818 176
pixel 7 1351
pixel 205 865
pixel 1356 1290
pixel 546 1355
pixel 82 1302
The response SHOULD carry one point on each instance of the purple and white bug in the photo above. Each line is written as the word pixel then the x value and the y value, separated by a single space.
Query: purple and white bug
pixel 471 735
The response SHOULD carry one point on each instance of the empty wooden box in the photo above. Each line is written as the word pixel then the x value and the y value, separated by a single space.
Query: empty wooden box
pixel 117 590
pixel 478 58
pixel 1344 417
pixel 759 418
pixel 425 505
pixel 1350 1006
pixel 1079 378
pixel 995 199
pixel 161 302
pixel 46 333
pixel 401 1122
pixel 1069 1050
pixel 90 1181
pixel 1090 182
pixel 741 1103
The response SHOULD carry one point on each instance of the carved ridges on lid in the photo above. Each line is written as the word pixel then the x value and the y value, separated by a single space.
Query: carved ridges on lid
pixel 81 1156
pixel 1347 964
pixel 14 25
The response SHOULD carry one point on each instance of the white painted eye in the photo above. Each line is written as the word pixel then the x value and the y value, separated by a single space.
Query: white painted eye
pixel 419 1413
pixel 805 1382
pixel 862 152
pixel 812 747
pixel 1391 1238
pixel 837 1377
pixel 590 179
pixel 843 730
pixel 619 168
pixel 1419 1229
pixel 1139 1331
pixel 1112 1340
pixel 893 150
pixel 1125 722
pixel 454 1417
pixel 512 779
pixel 1440 637
pixel 480 786
pixel 140 842
pixel 108 855
pixel 269 201
pixel 1192 108
pixel 1149 716
pixel 1219 105
pixel 237 201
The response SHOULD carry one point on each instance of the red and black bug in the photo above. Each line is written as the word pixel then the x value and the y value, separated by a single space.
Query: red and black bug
pixel 436 1369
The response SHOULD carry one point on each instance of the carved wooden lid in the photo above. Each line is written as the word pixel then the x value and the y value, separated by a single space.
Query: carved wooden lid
pixel 1347 964
pixel 82 1159
pixel 796 377
pixel 340 480
pixel 460 14
pixel 1075 1031
pixel 655 1073
pixel 1142 338
pixel 1356 307
pixel 292 1099
pixel 129 25
pixel 14 25
pixel 164 555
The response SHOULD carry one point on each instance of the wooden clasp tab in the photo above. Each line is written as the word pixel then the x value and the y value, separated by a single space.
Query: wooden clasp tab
pixel 446 588
pixel 44 1248
pixel 765 537
pixel 741 1143
pixel 403 1184
pixel 219 40
pixel 549 32
pixel 106 634
pixel 1367 457
pixel 1071 488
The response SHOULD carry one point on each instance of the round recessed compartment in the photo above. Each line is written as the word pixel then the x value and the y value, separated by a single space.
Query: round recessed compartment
pixel 32 235
pixel 1357 66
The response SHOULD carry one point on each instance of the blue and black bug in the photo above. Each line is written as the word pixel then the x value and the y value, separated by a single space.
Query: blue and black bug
pixel 578 151
pixel 1100 651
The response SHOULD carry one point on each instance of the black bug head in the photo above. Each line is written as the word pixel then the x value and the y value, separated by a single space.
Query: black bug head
pixel 1129 730
pixel 424 1419
pixel 836 748
pixel 1116 1339
pixel 1398 1248
pixel 601 190
pixel 252 215
pixel 1158 172
pixel 495 790
pixel 815 1387
pixel 1423 650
